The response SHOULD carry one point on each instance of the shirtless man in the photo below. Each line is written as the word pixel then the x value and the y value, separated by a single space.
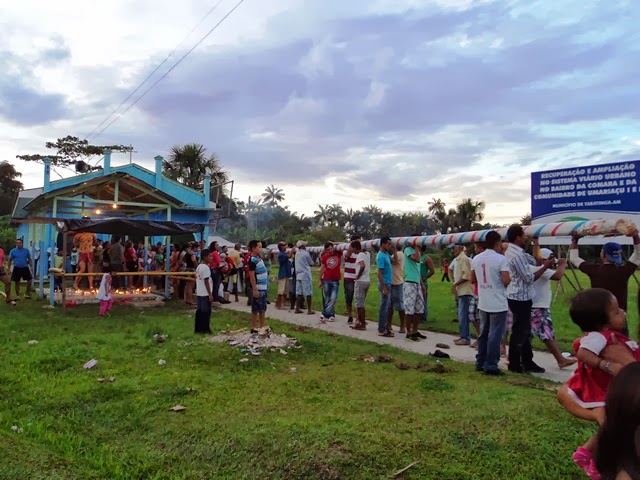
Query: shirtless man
pixel 84 242
pixel 4 278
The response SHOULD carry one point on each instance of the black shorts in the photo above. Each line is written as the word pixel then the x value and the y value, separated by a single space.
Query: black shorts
pixel 3 273
pixel 21 273
pixel 349 288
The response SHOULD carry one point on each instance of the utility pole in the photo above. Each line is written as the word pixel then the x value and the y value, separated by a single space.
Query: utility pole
pixel 249 217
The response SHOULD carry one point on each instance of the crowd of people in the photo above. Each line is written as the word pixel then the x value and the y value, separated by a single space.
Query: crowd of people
pixel 502 292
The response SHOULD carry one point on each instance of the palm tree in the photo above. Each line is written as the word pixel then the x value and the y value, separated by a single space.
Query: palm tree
pixel 437 208
pixel 336 215
pixel 321 216
pixel 272 195
pixel 469 212
pixel 189 164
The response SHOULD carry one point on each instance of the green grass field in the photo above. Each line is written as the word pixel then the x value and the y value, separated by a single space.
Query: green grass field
pixel 442 308
pixel 336 417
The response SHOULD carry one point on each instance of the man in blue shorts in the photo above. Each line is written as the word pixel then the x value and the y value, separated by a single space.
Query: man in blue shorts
pixel 20 258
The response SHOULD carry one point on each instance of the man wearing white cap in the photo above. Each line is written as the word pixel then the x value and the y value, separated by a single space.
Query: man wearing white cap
pixel 541 323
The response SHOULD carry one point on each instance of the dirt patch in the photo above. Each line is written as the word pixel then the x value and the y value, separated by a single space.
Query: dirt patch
pixel 302 329
pixel 434 367
pixel 403 366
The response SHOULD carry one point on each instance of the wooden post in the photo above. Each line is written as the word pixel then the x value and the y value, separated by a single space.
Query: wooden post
pixel 64 279
pixel 145 259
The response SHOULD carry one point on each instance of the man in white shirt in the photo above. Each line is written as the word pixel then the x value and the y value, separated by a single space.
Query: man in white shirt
pixel 204 294
pixel 490 270
pixel 362 283
pixel 541 323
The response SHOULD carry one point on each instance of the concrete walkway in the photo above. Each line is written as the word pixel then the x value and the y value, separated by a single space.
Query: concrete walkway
pixel 424 347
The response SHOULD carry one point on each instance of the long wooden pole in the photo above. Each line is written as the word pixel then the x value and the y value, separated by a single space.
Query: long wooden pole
pixel 126 274
pixel 584 228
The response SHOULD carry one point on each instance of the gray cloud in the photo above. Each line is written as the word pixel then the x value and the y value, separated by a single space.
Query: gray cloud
pixel 362 94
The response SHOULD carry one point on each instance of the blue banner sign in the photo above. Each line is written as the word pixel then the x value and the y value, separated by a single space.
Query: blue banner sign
pixel 611 188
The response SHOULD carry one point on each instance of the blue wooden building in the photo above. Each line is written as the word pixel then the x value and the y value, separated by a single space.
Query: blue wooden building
pixel 128 191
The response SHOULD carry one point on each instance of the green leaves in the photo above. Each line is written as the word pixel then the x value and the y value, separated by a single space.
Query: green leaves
pixel 71 149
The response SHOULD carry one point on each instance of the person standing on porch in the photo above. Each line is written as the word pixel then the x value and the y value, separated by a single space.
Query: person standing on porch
pixel 116 260
pixel 84 242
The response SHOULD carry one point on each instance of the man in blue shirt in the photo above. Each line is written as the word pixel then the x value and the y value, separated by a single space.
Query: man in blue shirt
pixel 384 285
pixel 284 272
pixel 259 279
pixel 21 260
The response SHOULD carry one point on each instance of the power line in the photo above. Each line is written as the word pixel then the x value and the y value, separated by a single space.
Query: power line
pixel 156 69
pixel 172 68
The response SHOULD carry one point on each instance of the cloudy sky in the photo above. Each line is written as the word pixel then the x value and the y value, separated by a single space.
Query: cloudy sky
pixel 390 102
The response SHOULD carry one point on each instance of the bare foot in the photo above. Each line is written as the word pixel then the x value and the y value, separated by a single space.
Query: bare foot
pixel 566 362
pixel 311 312
pixel 298 311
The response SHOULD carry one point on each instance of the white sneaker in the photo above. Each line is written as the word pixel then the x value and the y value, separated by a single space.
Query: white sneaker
pixel 332 319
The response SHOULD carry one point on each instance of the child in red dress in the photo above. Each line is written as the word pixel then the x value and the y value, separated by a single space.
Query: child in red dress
pixel 596 312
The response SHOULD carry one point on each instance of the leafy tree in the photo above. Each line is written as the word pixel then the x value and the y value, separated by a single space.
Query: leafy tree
pixel 526 220
pixel 10 186
pixel 71 151
pixel 272 195
pixel 8 234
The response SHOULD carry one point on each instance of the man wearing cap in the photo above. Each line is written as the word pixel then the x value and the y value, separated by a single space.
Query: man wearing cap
pixel 613 273
pixel 4 278
pixel 463 287
pixel 541 323
pixel 304 287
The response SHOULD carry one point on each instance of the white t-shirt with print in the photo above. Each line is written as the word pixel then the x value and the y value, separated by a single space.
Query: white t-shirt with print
pixel 492 294
pixel 203 274
pixel 542 288
pixel 364 257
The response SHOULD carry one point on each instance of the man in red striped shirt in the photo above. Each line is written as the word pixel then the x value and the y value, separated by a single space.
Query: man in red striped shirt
pixel 350 274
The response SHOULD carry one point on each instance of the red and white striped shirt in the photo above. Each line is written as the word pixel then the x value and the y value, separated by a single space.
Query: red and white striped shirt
pixel 350 272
